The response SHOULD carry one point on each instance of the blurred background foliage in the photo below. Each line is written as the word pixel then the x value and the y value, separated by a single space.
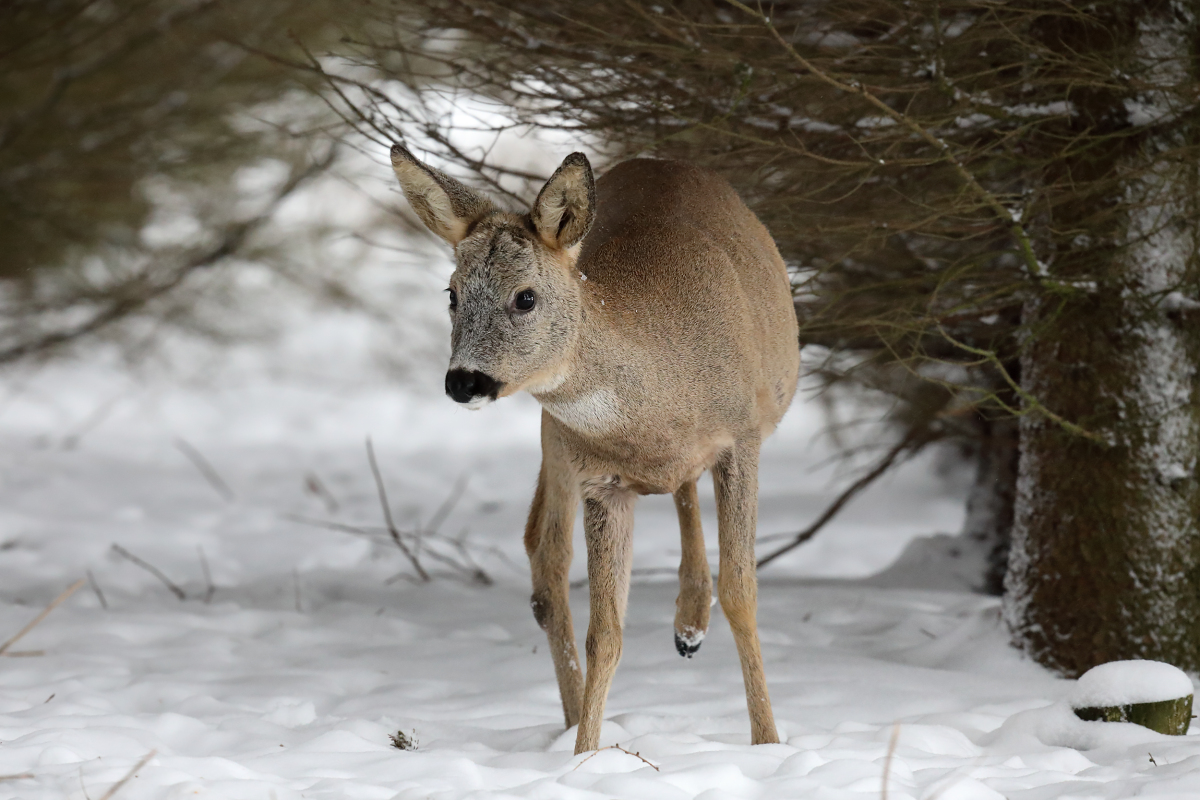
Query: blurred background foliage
pixel 126 133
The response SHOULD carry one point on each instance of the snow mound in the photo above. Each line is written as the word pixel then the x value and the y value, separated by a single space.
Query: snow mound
pixel 1121 683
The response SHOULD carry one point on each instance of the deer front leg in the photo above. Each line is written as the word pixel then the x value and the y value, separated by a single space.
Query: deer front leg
pixel 548 544
pixel 608 529
pixel 695 580
pixel 735 478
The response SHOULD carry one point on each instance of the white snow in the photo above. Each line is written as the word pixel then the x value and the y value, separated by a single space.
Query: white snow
pixel 318 643
pixel 1120 683
pixel 311 652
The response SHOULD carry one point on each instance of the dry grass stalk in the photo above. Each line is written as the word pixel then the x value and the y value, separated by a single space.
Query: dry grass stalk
pixel 116 786
pixel 206 469
pixel 296 590
pixel 315 486
pixel 887 760
pixel 153 570
pixel 210 587
pixel 55 603
pixel 96 588
pixel 17 777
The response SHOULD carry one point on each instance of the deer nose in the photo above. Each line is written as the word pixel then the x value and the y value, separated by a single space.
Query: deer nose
pixel 463 386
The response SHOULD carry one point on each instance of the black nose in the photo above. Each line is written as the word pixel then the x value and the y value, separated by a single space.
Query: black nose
pixel 463 386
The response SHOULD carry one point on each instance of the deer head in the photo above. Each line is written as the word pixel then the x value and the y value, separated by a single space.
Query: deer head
pixel 515 295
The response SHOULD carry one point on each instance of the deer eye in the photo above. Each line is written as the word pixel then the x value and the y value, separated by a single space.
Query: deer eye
pixel 453 299
pixel 524 301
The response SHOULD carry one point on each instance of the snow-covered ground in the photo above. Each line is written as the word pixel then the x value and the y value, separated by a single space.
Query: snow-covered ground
pixel 289 680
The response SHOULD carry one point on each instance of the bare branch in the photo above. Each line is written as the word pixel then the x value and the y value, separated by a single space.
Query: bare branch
pixel 909 444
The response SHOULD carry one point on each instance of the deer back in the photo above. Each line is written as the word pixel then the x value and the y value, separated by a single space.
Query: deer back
pixel 689 305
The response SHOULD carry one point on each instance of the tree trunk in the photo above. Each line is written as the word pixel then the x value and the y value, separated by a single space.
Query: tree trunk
pixel 1105 560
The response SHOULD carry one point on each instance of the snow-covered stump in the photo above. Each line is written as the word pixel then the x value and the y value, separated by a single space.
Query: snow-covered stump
pixel 1148 693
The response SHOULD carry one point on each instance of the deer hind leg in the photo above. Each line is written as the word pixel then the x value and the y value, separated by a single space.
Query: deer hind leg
pixel 695 580
pixel 735 477
pixel 548 544
pixel 608 528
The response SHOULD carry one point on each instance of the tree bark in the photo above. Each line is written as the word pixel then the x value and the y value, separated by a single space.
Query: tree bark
pixel 1105 560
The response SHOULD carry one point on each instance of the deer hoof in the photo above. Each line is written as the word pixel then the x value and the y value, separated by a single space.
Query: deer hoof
pixel 688 645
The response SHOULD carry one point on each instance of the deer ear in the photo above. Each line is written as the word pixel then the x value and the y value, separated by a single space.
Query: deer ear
pixel 566 206
pixel 445 206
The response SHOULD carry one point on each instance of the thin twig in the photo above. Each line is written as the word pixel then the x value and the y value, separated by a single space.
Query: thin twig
pixel 55 603
pixel 209 587
pixel 91 421
pixel 205 467
pixel 640 572
pixel 866 480
pixel 387 516
pixel 465 564
pixel 616 747
pixel 887 761
pixel 940 146
pixel 20 776
pixel 153 570
pixel 116 786
pixel 96 588
pixel 478 573
pixel 341 527
pixel 314 484
pixel 443 511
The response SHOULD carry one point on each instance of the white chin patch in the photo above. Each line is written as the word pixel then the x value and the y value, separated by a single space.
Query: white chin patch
pixel 477 403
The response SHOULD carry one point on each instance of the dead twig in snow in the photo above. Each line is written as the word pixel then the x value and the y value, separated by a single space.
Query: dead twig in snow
pixel 478 574
pixel 887 761
pixel 206 469
pixel 315 486
pixel 153 570
pixel 464 564
pixel 616 747
pixel 20 776
pixel 55 603
pixel 210 588
pixel 96 588
pixel 91 421
pixel 387 516
pixel 116 786
pixel 341 527
pixel 443 511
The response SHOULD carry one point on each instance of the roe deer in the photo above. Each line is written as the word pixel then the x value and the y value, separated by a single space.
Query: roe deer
pixel 651 316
